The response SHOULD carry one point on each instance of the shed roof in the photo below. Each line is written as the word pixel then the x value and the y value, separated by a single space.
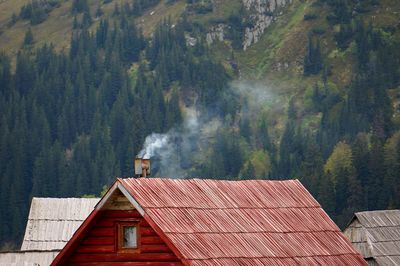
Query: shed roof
pixel 53 221
pixel 253 222
pixel 376 234
pixel 27 258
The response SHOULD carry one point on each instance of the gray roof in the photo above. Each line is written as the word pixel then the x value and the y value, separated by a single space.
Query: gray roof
pixel 376 234
pixel 53 221
pixel 27 258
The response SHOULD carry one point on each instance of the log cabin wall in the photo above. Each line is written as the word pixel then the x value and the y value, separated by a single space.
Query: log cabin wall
pixel 99 245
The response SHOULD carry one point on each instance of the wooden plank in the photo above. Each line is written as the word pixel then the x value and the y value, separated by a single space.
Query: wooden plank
pixel 140 263
pixel 109 222
pixel 155 249
pixel 99 241
pixel 102 231
pixel 108 257
pixel 106 222
pixel 144 223
pixel 121 214
pixel 119 205
pixel 96 249
pixel 152 240
pixel 147 231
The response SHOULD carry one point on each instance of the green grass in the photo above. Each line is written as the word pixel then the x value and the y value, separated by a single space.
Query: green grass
pixel 256 61
pixel 152 17
pixel 57 28
pixel 222 10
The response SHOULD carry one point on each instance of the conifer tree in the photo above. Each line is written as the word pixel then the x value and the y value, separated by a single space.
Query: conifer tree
pixel 313 58
pixel 79 6
pixel 28 39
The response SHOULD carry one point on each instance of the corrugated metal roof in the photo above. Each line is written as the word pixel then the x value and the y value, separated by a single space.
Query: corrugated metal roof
pixel 53 221
pixel 376 234
pixel 252 222
pixel 27 258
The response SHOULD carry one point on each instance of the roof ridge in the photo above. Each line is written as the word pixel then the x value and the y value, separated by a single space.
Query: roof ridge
pixel 213 179
pixel 231 208
pixel 253 232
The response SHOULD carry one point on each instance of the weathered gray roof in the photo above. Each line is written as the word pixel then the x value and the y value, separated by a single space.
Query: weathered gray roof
pixel 27 258
pixel 52 221
pixel 376 234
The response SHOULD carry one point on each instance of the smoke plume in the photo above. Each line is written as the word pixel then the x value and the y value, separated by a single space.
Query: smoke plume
pixel 172 152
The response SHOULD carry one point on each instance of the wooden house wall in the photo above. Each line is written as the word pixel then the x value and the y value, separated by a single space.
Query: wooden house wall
pixel 99 246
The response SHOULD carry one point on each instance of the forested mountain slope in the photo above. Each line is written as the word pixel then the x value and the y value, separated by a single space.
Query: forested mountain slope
pixel 225 89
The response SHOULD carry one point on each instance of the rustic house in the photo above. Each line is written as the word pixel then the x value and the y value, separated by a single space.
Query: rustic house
pixel 51 223
pixel 153 221
pixel 376 234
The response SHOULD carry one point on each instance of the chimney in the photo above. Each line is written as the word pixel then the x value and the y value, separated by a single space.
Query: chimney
pixel 142 167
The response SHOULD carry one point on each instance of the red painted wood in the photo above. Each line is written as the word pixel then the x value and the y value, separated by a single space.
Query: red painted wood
pixel 147 231
pixel 140 263
pixel 106 222
pixel 99 241
pixel 96 249
pixel 155 248
pixel 102 231
pixel 152 240
pixel 110 257
pixel 98 245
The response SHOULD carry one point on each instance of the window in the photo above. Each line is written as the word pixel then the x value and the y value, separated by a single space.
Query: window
pixel 128 240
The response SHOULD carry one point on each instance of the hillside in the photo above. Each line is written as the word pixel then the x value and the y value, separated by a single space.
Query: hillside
pixel 57 27
pixel 224 89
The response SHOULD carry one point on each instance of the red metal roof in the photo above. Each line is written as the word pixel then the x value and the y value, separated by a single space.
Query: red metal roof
pixel 252 222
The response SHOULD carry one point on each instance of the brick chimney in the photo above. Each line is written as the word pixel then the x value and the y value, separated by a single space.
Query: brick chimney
pixel 142 167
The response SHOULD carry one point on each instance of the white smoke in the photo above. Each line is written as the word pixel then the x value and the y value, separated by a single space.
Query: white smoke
pixel 172 152
pixel 258 95
pixel 153 145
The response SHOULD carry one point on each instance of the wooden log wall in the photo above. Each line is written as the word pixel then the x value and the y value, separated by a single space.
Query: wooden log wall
pixel 99 245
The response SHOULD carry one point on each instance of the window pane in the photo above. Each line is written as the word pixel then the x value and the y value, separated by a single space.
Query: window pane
pixel 130 240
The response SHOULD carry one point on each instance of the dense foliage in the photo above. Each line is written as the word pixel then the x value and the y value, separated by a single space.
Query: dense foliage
pixel 352 162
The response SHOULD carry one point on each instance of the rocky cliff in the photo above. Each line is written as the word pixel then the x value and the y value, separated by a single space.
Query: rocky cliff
pixel 260 14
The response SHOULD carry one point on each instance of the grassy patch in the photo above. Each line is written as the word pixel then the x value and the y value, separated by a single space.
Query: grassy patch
pixel 222 10
pixel 57 28
pixel 154 16
pixel 256 61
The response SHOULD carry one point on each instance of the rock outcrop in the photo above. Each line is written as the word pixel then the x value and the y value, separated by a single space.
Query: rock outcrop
pixel 262 13
pixel 216 33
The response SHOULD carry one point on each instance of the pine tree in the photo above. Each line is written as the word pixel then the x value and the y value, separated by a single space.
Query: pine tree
pixel 99 11
pixel 28 39
pixel 313 58
pixel 79 6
